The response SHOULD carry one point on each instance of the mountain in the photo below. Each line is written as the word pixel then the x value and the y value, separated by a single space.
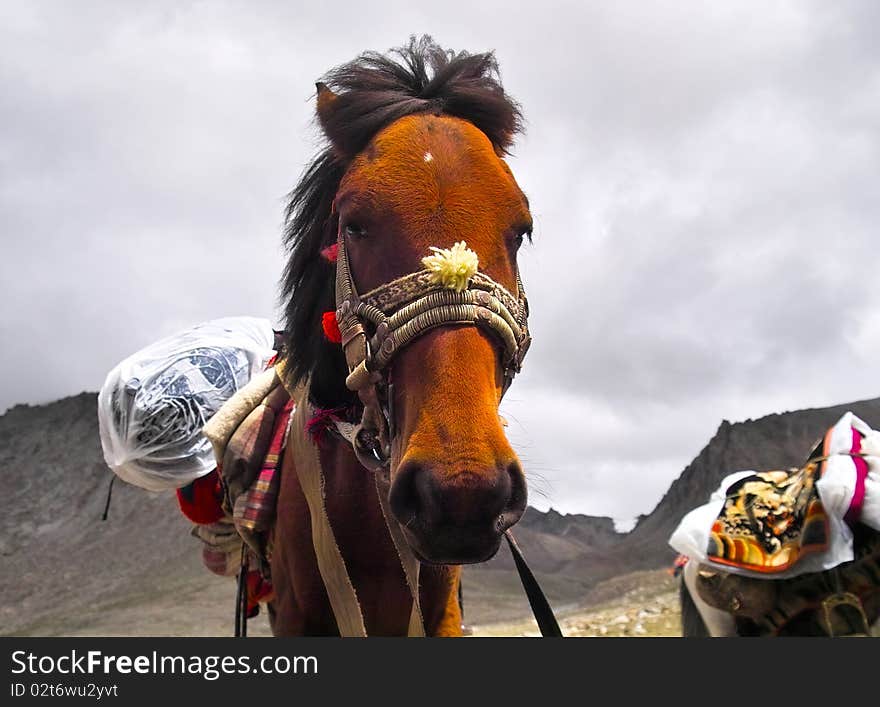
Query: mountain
pixel 569 554
pixel 62 567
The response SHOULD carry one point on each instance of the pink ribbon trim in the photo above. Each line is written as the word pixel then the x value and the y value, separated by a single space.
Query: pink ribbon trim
pixel 858 499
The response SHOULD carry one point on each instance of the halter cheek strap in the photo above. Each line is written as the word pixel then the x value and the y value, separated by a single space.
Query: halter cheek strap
pixel 375 326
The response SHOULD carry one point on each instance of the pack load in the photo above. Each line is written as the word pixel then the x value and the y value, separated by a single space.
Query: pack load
pixel 154 404
pixel 785 523
pixel 789 551
pixel 233 506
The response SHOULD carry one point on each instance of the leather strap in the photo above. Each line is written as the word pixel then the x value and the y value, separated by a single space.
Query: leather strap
pixel 408 560
pixel 340 590
pixel 540 606
pixel 307 463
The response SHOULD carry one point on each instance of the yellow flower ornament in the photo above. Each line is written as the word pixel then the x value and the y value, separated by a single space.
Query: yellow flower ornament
pixel 452 267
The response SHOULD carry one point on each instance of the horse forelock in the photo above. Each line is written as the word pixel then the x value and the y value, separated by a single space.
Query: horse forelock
pixel 375 90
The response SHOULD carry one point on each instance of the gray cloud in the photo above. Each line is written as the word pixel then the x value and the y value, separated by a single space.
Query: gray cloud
pixel 703 178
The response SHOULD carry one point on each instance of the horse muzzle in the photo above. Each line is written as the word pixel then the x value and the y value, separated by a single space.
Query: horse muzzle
pixel 456 518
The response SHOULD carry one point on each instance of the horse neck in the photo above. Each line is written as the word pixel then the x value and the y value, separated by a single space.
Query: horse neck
pixel 352 502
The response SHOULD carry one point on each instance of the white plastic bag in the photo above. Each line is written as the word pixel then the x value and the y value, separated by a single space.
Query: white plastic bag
pixel 153 405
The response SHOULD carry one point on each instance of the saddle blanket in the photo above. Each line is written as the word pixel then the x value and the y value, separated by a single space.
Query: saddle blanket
pixel 784 523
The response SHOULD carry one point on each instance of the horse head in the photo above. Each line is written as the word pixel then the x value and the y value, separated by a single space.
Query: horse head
pixel 416 168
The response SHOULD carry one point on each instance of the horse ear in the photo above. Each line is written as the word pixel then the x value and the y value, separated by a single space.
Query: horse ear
pixel 325 105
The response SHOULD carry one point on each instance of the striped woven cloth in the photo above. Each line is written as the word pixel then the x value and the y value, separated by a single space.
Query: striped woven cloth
pixel 254 509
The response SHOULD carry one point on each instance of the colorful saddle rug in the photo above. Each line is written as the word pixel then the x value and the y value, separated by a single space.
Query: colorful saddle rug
pixel 770 520
pixel 783 523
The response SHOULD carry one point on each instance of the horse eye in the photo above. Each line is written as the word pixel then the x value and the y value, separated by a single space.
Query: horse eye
pixel 355 230
pixel 521 236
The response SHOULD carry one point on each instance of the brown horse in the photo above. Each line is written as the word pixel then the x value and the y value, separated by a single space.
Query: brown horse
pixel 414 161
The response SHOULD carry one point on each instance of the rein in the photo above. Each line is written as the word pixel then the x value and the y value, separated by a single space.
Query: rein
pixel 540 606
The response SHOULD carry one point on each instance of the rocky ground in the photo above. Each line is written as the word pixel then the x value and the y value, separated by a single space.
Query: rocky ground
pixel 640 604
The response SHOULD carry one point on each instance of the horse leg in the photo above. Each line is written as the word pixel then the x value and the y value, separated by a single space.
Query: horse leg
pixel 270 612
pixel 438 593
pixel 301 607
pixel 698 619
pixel 692 624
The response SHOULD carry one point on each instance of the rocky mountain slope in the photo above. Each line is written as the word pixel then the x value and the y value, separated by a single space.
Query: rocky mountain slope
pixel 60 562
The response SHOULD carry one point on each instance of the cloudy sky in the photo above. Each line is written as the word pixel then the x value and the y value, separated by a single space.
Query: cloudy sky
pixel 705 179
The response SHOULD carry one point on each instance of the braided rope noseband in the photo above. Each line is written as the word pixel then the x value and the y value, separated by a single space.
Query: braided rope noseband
pixel 378 324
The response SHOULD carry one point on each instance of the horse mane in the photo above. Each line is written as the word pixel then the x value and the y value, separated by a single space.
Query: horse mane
pixel 372 91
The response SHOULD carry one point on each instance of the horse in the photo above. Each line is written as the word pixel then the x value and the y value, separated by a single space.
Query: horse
pixel 841 601
pixel 414 164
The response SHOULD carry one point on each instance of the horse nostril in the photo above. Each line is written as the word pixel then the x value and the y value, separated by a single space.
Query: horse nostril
pixel 516 502
pixel 404 495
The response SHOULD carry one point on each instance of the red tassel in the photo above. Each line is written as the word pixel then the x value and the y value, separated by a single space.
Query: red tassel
pixel 331 327
pixel 201 500
pixel 258 590
pixel 330 253
pixel 321 421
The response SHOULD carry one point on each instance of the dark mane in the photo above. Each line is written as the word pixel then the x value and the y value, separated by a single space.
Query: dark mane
pixel 372 92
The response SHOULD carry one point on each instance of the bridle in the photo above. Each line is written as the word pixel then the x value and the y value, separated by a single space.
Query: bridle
pixel 375 326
